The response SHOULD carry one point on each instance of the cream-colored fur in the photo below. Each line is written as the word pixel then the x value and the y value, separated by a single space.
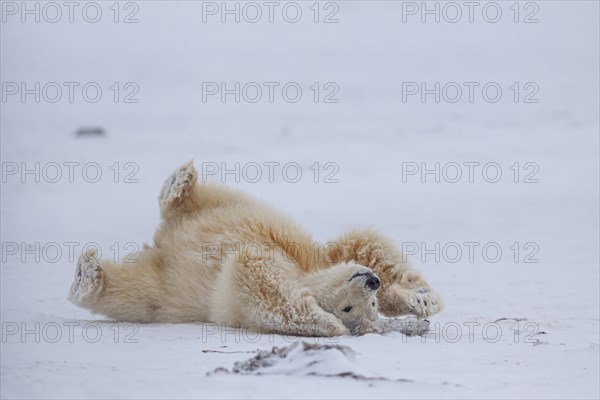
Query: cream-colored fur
pixel 222 256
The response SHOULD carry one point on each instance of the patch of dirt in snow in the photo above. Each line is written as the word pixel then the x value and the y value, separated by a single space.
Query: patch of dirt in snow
pixel 304 359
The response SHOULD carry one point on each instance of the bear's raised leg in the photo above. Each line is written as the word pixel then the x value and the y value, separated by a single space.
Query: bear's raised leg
pixel 125 292
pixel 89 280
pixel 262 295
pixel 182 194
pixel 403 291
pixel 176 195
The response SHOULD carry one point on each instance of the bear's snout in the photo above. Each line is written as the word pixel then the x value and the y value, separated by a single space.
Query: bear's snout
pixel 372 282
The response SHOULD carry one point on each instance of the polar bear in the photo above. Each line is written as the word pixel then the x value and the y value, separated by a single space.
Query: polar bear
pixel 221 256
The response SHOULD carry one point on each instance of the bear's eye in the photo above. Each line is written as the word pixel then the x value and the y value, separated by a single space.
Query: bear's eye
pixel 347 309
pixel 373 304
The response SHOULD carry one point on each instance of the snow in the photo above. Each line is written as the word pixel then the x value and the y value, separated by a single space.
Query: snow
pixel 510 328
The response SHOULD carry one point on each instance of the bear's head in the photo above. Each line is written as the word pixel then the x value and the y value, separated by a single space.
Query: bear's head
pixel 348 291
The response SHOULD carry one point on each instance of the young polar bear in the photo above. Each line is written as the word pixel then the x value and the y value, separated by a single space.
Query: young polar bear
pixel 221 256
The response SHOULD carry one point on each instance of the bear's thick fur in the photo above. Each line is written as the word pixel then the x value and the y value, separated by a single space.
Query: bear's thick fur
pixel 221 256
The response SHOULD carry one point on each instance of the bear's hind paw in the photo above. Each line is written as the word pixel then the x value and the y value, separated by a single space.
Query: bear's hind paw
pixel 178 184
pixel 88 279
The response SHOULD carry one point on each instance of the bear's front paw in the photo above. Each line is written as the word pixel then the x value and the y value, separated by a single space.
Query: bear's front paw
pixel 88 280
pixel 409 326
pixel 367 327
pixel 423 302
pixel 419 301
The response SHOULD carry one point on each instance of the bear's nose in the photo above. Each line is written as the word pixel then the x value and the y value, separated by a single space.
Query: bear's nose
pixel 372 282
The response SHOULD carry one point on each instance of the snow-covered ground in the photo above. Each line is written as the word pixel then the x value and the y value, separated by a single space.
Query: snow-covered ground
pixel 524 323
